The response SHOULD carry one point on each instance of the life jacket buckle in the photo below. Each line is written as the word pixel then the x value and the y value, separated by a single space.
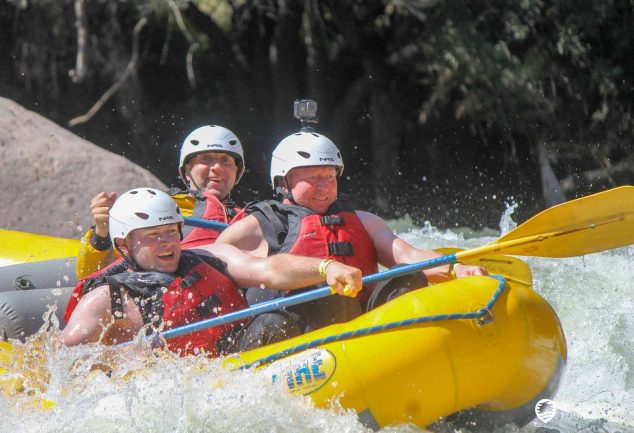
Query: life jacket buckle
pixel 189 280
pixel 332 220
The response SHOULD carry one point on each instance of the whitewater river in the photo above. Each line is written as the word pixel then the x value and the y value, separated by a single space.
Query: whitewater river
pixel 593 295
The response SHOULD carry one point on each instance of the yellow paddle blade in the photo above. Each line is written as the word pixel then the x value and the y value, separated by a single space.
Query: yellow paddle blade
pixel 21 247
pixel 586 225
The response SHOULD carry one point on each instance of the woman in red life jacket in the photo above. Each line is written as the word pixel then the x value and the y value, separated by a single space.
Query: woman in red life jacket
pixel 157 285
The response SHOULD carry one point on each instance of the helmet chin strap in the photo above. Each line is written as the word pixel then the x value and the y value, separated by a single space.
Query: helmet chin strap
pixel 194 192
pixel 128 259
pixel 285 193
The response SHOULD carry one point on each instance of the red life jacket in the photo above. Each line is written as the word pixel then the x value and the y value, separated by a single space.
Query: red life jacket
pixel 196 291
pixel 339 234
pixel 208 207
pixel 84 285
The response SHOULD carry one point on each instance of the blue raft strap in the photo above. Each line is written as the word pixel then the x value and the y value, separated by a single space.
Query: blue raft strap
pixel 483 315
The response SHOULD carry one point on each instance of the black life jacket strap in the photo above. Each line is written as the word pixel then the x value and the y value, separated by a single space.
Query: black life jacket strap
pixel 332 220
pixel 145 289
pixel 190 280
pixel 271 223
pixel 209 306
pixel 340 249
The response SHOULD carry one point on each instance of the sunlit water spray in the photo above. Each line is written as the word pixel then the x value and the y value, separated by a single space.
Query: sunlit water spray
pixel 592 296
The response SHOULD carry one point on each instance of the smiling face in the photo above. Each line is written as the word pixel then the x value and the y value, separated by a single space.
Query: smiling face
pixel 155 248
pixel 213 172
pixel 314 187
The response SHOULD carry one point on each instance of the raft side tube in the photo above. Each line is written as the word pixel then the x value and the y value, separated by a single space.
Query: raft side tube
pixel 22 247
pixel 537 374
pixel 420 373
pixel 39 275
pixel 22 312
pixel 481 420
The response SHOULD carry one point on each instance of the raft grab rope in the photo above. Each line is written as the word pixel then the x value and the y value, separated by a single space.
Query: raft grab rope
pixel 483 316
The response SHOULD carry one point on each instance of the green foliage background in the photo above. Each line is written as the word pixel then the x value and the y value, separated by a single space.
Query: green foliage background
pixel 445 110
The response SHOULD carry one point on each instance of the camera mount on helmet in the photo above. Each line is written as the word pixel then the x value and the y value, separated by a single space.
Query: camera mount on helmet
pixel 306 111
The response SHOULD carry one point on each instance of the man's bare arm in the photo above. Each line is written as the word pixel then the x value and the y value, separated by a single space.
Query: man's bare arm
pixel 392 250
pixel 285 271
pixel 246 235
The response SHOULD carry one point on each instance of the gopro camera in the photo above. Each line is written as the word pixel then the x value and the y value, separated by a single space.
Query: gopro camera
pixel 306 111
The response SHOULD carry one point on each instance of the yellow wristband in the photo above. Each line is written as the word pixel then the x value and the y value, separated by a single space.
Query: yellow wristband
pixel 323 265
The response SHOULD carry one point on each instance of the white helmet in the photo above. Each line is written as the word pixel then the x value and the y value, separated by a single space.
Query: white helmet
pixel 142 208
pixel 303 149
pixel 211 138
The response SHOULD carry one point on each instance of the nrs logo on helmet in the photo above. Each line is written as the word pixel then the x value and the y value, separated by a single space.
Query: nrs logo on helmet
pixel 303 149
pixel 215 137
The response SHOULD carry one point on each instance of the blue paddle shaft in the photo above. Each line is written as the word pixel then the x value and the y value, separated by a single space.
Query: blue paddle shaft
pixel 279 303
pixel 410 269
pixel 205 224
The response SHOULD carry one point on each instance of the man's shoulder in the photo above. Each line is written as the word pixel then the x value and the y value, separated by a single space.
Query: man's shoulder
pixel 259 206
pixel 365 215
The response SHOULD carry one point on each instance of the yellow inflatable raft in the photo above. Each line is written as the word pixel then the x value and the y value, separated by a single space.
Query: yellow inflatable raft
pixel 484 349
pixel 415 359
pixel 22 247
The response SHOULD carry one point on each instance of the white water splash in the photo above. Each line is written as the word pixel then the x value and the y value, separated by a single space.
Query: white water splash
pixel 506 221
pixel 592 296
pixel 168 394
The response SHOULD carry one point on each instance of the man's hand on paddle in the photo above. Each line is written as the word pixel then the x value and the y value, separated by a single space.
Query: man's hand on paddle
pixel 99 207
pixel 343 279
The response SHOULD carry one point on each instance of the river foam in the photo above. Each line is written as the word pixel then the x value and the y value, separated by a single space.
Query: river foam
pixel 592 296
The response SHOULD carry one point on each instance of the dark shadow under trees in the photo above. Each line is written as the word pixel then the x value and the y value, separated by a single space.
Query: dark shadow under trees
pixel 443 110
